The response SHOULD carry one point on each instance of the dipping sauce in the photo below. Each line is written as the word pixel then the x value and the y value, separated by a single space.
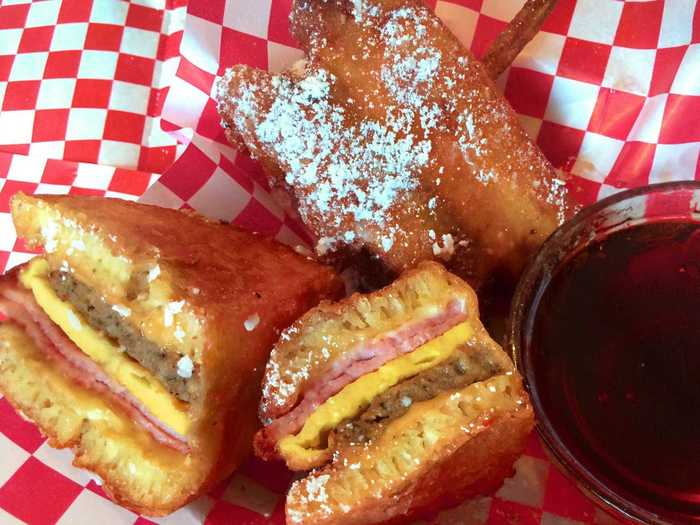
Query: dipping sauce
pixel 615 350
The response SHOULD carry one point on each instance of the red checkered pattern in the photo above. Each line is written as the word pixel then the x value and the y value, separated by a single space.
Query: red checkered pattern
pixel 610 90
pixel 84 81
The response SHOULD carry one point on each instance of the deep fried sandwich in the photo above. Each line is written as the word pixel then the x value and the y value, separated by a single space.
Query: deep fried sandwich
pixel 139 339
pixel 399 400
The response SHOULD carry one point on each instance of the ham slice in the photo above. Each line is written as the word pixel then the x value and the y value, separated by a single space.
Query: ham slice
pixel 19 305
pixel 366 357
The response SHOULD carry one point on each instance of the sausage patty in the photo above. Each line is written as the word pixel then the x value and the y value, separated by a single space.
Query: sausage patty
pixel 100 315
pixel 466 366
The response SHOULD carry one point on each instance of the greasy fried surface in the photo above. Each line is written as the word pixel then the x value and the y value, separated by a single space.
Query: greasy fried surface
pixel 393 138
pixel 457 445
pixel 138 473
pixel 515 37
pixel 191 286
pixel 313 343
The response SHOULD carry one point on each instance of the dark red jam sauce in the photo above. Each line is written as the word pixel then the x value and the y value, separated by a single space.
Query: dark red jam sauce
pixel 616 354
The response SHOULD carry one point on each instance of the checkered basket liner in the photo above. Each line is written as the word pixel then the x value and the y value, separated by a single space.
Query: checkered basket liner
pixel 114 98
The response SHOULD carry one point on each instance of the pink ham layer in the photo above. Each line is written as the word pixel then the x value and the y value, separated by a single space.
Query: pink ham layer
pixel 19 305
pixel 366 357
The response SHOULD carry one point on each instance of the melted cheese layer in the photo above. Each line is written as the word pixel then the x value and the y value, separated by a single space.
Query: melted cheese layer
pixel 308 445
pixel 143 385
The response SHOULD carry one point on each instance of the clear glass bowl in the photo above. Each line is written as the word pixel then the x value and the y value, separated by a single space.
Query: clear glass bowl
pixel 658 202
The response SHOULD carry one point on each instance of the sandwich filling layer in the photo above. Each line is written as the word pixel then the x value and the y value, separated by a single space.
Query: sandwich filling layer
pixel 310 446
pixel 94 359
pixel 112 321
pixel 466 366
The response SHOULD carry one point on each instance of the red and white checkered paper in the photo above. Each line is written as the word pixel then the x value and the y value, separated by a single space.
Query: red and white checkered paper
pixel 101 97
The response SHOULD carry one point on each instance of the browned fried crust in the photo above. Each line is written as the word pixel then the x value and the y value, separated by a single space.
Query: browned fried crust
pixel 400 477
pixel 225 275
pixel 511 41
pixel 501 204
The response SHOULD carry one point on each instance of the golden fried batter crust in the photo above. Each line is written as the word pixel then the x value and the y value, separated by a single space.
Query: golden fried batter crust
pixel 393 138
pixel 458 445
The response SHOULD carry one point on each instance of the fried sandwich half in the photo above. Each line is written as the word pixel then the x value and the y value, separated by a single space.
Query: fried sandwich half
pixel 398 400
pixel 139 339
pixel 391 140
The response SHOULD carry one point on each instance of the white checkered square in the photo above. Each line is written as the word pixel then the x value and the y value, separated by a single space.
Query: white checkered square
pixel 647 127
pixel 471 512
pixel 119 154
pixel 185 103
pixel 26 169
pixel 248 17
pixel 571 102
pixel 529 483
pixel 17 258
pixel 7 242
pixel 109 12
pixel 630 70
pixel 201 43
pixel 93 176
pixel 52 189
pixel 42 14
pixel 29 66
pixel 596 20
pixel 98 64
pixel 687 79
pixel 280 57
pixel 531 125
pixel 68 37
pixel 85 123
pixel 61 460
pixel 55 93
pixel 16 126
pixel 50 149
pixel 9 43
pixel 500 10
pixel 288 237
pixel 674 162
pixel 126 96
pixel 542 53
pixel 221 197
pixel 606 190
pixel 677 23
pixel 88 508
pixel 460 20
pixel 161 195
pixel 140 42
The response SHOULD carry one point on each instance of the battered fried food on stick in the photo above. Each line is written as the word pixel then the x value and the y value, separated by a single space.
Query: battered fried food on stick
pixel 139 338
pixel 511 41
pixel 399 399
pixel 392 138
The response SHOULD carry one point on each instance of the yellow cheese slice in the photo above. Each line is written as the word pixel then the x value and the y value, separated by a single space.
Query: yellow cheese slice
pixel 309 444
pixel 136 379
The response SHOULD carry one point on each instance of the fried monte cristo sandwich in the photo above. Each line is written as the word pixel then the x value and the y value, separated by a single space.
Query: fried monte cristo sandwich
pixel 399 400
pixel 392 140
pixel 140 337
